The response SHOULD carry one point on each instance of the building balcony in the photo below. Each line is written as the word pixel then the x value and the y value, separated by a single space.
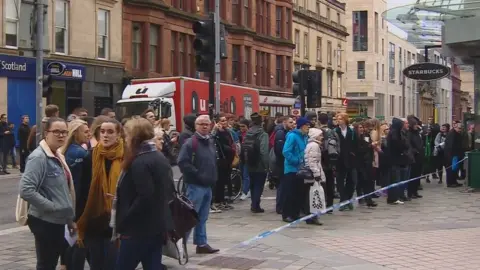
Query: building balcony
pixel 319 19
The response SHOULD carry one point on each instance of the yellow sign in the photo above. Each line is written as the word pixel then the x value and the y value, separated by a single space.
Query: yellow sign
pixel 264 112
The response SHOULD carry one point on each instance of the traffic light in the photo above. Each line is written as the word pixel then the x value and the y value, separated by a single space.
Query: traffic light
pixel 314 89
pixel 204 44
pixel 299 82
pixel 47 85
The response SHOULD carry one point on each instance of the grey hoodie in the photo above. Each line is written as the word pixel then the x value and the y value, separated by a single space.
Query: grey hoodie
pixel 45 186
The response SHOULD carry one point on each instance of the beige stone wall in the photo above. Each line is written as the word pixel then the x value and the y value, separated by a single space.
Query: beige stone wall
pixel 82 28
pixel 331 101
pixel 3 95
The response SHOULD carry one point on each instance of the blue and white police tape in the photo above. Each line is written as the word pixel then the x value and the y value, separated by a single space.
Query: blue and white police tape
pixel 333 207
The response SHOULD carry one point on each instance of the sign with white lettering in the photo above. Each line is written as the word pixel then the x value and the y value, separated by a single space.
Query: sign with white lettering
pixel 17 67
pixel 426 71
pixel 65 71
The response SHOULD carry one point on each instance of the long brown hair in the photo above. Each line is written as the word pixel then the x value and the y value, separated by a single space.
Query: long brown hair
pixel 137 130
pixel 95 128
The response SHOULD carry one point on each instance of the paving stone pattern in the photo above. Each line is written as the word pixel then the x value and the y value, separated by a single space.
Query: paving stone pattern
pixel 440 231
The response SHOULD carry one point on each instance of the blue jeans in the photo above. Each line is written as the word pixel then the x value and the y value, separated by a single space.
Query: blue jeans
pixel 201 197
pixel 146 250
pixel 257 183
pixel 245 179
pixel 398 174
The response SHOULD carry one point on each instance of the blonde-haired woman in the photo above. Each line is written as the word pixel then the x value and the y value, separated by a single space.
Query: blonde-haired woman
pixel 75 151
pixel 375 136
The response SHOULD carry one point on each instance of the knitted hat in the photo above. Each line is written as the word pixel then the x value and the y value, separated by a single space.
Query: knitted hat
pixel 302 121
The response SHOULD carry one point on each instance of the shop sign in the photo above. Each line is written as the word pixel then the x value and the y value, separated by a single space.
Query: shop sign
pixel 65 71
pixel 285 101
pixel 426 71
pixel 17 67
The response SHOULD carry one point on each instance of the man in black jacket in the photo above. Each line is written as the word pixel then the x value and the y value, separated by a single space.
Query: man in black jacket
pixel 281 131
pixel 416 143
pixel 453 148
pixel 4 143
pixel 23 132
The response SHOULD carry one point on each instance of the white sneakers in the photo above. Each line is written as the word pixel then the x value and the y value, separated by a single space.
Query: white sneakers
pixel 245 196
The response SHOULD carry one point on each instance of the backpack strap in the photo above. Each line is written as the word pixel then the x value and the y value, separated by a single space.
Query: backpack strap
pixel 194 147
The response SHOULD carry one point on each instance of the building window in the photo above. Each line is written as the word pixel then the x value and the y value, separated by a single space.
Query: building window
pixel 246 65
pixel 317 8
pixel 236 15
pixel 103 31
pixel 383 46
pixel 319 49
pixel 259 16
pixel 136 45
pixel 278 71
pixel 328 13
pixel 383 72
pixel 180 4
pixel 246 13
pixel 339 18
pixel 361 70
pixel 297 42
pixel 379 104
pixel 400 65
pixel 287 24
pixel 182 55
pixel 288 77
pixel 339 85
pixel 339 55
pixel 392 105
pixel 378 71
pixel 329 52
pixel 391 60
pixel 376 32
pixel 278 26
pixel 305 46
pixel 360 31
pixel 235 63
pixel 173 45
pixel 153 48
pixel 208 6
pixel 12 8
pixel 268 30
pixel 330 82
pixel 61 26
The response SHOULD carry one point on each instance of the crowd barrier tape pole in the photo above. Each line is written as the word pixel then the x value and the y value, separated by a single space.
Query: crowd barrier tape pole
pixel 334 207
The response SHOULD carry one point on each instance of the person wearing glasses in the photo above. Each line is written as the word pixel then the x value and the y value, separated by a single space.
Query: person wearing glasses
pixel 47 186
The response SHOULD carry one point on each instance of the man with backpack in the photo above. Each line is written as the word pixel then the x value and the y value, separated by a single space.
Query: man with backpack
pixel 255 157
pixel 277 165
pixel 330 153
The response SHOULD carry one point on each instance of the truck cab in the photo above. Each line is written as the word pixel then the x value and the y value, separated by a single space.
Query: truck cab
pixel 137 98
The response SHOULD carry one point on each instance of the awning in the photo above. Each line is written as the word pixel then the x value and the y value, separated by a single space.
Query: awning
pixel 422 20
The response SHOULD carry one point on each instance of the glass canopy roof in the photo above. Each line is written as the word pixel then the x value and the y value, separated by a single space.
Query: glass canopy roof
pixel 422 20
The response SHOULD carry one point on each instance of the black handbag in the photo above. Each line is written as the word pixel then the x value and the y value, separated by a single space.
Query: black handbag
pixel 305 173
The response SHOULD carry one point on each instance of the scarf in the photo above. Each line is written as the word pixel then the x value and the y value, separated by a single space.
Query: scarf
pixel 103 186
pixel 428 146
pixel 145 147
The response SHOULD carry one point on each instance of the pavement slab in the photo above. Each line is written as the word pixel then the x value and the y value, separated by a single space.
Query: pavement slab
pixel 439 231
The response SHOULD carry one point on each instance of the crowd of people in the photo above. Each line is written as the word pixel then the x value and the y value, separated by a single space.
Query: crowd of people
pixel 108 183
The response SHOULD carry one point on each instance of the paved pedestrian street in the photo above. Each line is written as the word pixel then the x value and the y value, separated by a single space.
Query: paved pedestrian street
pixel 440 231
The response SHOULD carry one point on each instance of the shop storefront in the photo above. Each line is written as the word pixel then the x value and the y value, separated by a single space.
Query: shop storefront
pixel 17 88
pixel 67 85
pixel 274 105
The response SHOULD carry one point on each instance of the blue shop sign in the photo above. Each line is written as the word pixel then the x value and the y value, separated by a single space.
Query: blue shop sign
pixel 17 67
pixel 64 71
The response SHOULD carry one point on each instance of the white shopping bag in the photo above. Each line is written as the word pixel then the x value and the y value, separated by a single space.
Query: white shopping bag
pixel 317 198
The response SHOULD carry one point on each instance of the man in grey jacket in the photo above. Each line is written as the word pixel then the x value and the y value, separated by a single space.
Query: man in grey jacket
pixel 257 141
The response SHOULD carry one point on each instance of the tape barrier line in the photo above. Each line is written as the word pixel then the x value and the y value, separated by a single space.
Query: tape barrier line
pixel 334 207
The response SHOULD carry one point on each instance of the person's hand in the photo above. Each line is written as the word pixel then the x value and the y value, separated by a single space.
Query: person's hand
pixel 220 127
pixel 174 139
pixel 7 132
pixel 72 228
pixel 85 146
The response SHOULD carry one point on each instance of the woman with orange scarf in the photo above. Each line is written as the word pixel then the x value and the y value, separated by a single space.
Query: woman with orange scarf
pixel 93 223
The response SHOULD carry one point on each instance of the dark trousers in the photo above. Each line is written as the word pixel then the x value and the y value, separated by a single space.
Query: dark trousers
pixel 23 159
pixel 4 156
pixel 223 173
pixel 49 242
pixel 452 175
pixel 398 174
pixel 280 199
pixel 366 183
pixel 77 256
pixel 257 183
pixel 293 196
pixel 102 253
pixel 415 171
pixel 145 250
pixel 329 187
pixel 346 182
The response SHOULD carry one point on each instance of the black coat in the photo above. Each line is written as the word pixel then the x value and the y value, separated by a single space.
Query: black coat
pixel 143 196
pixel 23 133
pixel 454 145
pixel 348 149
pixel 364 151
pixel 416 143
pixel 399 145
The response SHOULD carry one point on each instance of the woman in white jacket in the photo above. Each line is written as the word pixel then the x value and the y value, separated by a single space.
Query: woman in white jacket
pixel 313 160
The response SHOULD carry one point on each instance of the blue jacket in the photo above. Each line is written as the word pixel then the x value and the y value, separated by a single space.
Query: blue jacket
pixel 293 150
pixel 74 156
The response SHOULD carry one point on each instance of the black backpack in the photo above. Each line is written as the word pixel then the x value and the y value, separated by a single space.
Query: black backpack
pixel 251 149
